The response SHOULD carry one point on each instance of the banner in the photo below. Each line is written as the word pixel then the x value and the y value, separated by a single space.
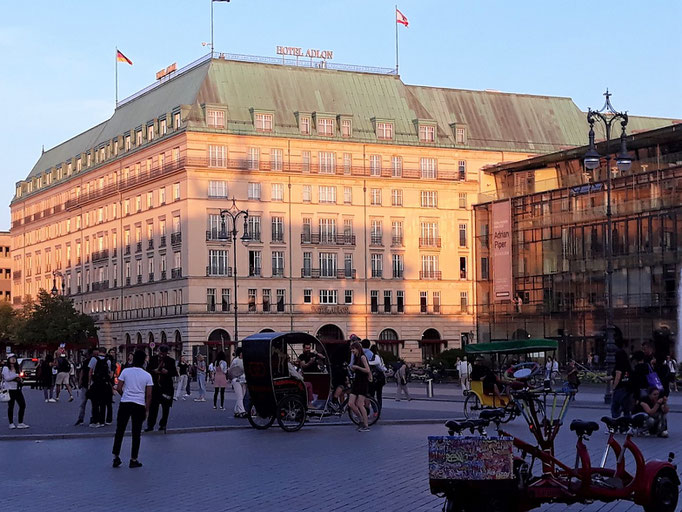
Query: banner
pixel 501 251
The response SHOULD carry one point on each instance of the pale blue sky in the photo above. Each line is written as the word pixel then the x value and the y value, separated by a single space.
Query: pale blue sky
pixel 57 76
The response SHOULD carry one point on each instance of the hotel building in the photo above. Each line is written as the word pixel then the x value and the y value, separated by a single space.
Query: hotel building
pixel 359 190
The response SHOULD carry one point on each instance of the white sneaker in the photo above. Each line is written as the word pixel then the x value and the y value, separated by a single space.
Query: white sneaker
pixel 46 400
pixel 93 425
pixel 22 425
pixel 51 400
pixel 12 425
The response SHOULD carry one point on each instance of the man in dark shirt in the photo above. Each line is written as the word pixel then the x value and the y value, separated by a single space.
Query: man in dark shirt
pixel 162 369
pixel 621 400
pixel 309 360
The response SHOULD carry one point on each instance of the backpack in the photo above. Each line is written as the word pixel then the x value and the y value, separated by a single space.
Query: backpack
pixel 63 365
pixel 100 374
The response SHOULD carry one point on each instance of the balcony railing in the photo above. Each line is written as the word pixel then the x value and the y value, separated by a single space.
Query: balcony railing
pixel 327 238
pixel 431 241
pixel 218 271
pixel 316 273
pixel 138 247
pixel 163 275
pixel 176 273
pixel 347 273
pixel 277 272
pixel 150 244
pixel 212 234
pixel 176 238
pixel 139 279
pixel 100 255
pixel 254 271
pixel 151 277
pixel 397 241
pixel 127 281
pixel 278 238
pixel 430 274
pixel 103 285
pixel 376 240
pixel 162 242
pixel 127 250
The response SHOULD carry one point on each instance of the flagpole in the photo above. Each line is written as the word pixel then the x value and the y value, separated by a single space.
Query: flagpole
pixel 211 28
pixel 116 64
pixel 395 21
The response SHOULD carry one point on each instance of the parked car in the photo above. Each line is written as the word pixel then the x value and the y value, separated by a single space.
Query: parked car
pixel 28 367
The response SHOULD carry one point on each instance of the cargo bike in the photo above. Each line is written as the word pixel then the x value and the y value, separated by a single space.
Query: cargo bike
pixel 278 391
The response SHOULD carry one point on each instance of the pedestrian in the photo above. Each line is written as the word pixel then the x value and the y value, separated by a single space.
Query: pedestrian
pixel 83 383
pixel 63 376
pixel 464 370
pixel 99 390
pixel 220 380
pixel 191 374
pixel 572 378
pixel 590 359
pixel 201 378
pixel 672 366
pixel 135 387
pixel 162 369
pixel 211 372
pixel 129 361
pixel 401 381
pixel 378 376
pixel 182 379
pixel 360 387
pixel 656 407
pixel 551 369
pixel 11 377
pixel 621 399
pixel 44 376
pixel 236 375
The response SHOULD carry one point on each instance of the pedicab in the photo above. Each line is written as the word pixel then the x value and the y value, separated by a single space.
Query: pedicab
pixel 278 391
pixel 527 374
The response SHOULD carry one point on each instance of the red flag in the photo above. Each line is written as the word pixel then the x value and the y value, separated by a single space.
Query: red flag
pixel 122 58
pixel 400 18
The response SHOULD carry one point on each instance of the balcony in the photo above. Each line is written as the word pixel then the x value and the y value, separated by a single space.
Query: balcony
pixel 150 244
pixel 327 239
pixel 114 252
pixel 431 241
pixel 126 252
pixel 254 271
pixel 151 277
pixel 78 289
pixel 430 274
pixel 103 285
pixel 316 273
pixel 100 255
pixel 138 247
pixel 278 238
pixel 139 279
pixel 162 242
pixel 220 236
pixel 348 273
pixel 163 275
pixel 277 272
pixel 176 238
pixel 212 270
pixel 397 241
pixel 376 240
pixel 127 281
pixel 176 273
pixel 16 275
pixel 377 272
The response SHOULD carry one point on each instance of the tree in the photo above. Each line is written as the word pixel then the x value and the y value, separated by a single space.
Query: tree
pixel 53 320
pixel 7 322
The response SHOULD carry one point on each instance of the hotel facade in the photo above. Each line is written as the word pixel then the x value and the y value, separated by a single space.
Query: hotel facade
pixel 359 190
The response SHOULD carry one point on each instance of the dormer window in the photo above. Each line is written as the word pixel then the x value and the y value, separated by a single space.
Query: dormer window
pixel 79 165
pixel 215 118
pixel 304 125
pixel 460 135
pixel 150 132
pixel 138 138
pixel 346 128
pixel 263 122
pixel 384 130
pixel 88 161
pixel 163 128
pixel 427 133
pixel 325 127
pixel 127 143
pixel 176 120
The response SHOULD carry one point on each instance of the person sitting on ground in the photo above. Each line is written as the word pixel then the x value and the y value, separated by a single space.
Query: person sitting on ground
pixel 657 408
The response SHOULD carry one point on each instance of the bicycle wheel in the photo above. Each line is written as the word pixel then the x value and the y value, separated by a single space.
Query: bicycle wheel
pixel 372 409
pixel 540 409
pixel 291 413
pixel 259 422
pixel 472 406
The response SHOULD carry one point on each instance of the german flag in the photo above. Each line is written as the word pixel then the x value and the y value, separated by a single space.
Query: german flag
pixel 122 58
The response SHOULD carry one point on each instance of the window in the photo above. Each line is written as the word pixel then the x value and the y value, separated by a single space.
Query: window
pixel 307 296
pixel 328 230
pixel 327 264
pixel 462 170
pixel 376 233
pixel 462 200
pixel 162 195
pixel 398 266
pixel 430 267
pixel 254 159
pixel 215 118
pixel 138 141
pixel 263 122
pixel 384 130
pixel 423 300
pixel 428 168
pixel 215 229
pixel 277 224
pixel 150 199
pixel 429 199
pixel 218 261
pixel 277 192
pixel 325 126
pixel 396 197
pixel 254 263
pixel 138 204
pixel 427 133
pixel 348 265
pixel 462 267
pixel 276 159
pixel 348 297
pixel 348 195
pixel 346 128
pixel 304 125
pixel 176 191
pixel 307 193
pixel 277 263
pixel 377 261
pixel 163 129
pixel 436 302
pixel 400 301
pixel 266 300
pixel 225 302
pixel 126 146
pixel 462 235
pixel 375 165
pixel 281 299
pixel 254 191
pixel 210 299
pixel 217 156
pixel 460 136
pixel 429 235
pixel 484 235
pixel 347 230
pixel 252 299
pixel 397 233
pixel 375 196
pixel 217 189
pixel 176 120
pixel 327 194
pixel 306 271
pixel 484 269
pixel 253 226
pixel 387 301
pixel 305 161
pixel 463 301
pixel 328 297
pixel 306 234
pixel 347 163
pixel 326 161
pixel 396 166
pixel 374 301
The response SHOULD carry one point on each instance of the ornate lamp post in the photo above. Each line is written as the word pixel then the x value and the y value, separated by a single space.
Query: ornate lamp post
pixel 233 212
pixel 608 116
pixel 54 290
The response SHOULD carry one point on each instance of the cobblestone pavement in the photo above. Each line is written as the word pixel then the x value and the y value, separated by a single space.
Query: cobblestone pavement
pixel 317 468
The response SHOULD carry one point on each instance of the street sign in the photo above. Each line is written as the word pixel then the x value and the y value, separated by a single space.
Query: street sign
pixel 152 344
pixel 8 349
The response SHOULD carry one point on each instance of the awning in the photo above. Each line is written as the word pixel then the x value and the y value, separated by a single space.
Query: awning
pixel 390 342
pixel 512 347
pixel 432 342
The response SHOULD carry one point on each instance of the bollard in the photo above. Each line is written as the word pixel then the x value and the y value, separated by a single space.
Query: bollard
pixel 429 388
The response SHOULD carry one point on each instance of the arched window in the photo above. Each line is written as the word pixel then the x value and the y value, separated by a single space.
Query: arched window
pixel 388 341
pixel 330 332
pixel 139 338
pixel 431 344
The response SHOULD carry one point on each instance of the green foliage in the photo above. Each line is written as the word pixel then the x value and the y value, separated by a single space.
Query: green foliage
pixel 388 357
pixel 449 357
pixel 53 320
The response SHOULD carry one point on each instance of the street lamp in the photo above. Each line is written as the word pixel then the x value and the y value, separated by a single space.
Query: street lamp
pixel 608 116
pixel 54 290
pixel 233 212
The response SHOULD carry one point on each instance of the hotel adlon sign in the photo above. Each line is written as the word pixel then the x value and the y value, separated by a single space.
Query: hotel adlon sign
pixel 295 51
pixel 501 251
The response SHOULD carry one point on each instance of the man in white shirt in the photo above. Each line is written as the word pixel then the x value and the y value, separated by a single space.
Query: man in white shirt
pixel 464 369
pixel 135 387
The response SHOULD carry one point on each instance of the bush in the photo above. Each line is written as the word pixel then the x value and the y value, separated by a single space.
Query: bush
pixel 388 357
pixel 448 358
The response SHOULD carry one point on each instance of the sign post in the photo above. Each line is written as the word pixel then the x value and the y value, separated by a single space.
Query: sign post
pixel 501 251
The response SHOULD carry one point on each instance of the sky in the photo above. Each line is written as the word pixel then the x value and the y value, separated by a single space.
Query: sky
pixel 57 75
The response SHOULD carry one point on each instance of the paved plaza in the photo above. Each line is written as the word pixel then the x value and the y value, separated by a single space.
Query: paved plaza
pixel 317 468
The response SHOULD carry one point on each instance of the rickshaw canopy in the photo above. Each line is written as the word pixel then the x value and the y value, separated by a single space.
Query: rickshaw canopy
pixel 513 346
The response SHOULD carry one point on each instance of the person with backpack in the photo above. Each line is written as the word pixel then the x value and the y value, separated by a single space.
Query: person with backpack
pixel 63 376
pixel 99 390
pixel 378 368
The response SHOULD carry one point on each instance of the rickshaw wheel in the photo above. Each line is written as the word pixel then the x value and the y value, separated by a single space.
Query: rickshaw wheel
pixel 472 406
pixel 373 412
pixel 259 422
pixel 291 413
pixel 664 495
